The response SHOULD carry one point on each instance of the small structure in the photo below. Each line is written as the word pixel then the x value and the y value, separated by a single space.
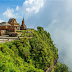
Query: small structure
pixel 23 26
pixel 3 28
pixel 14 25
pixel 4 25
pixel 11 27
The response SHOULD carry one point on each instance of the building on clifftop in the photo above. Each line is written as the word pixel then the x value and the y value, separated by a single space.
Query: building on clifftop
pixel 23 26
pixel 11 27
pixel 14 25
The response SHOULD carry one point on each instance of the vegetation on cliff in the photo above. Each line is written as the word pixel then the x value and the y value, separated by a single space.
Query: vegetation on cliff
pixel 34 54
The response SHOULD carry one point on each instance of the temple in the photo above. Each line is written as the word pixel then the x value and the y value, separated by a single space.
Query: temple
pixel 23 26
pixel 11 26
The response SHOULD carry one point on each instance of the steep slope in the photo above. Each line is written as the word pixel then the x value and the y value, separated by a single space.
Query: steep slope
pixel 36 54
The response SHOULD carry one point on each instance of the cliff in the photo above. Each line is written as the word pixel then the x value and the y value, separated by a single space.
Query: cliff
pixel 36 54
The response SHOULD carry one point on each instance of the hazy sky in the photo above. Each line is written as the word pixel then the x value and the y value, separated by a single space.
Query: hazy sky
pixel 54 15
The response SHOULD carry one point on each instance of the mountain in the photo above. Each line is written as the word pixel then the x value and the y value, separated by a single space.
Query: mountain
pixel 33 53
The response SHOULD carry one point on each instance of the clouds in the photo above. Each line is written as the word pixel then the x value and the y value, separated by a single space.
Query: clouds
pixel 1 20
pixel 33 6
pixel 62 37
pixel 9 13
pixel 28 8
pixel 56 18
pixel 61 30
pixel 17 8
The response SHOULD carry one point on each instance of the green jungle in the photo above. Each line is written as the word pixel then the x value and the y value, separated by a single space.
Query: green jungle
pixel 33 53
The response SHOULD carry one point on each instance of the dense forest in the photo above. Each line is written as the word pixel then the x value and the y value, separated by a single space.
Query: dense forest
pixel 35 54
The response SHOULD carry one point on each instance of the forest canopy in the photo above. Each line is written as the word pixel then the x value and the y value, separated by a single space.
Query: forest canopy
pixel 34 54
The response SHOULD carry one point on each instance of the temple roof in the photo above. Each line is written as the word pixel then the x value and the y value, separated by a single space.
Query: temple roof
pixel 13 22
pixel 4 24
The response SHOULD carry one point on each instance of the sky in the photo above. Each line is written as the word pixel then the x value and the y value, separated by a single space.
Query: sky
pixel 55 16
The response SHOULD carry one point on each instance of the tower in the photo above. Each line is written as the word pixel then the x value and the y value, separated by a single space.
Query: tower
pixel 23 26
pixel 23 22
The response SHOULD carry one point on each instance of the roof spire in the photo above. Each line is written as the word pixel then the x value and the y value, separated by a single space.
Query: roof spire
pixel 23 18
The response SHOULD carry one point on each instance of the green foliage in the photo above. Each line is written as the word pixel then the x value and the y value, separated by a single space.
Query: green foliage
pixel 61 68
pixel 26 33
pixel 40 29
pixel 29 54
